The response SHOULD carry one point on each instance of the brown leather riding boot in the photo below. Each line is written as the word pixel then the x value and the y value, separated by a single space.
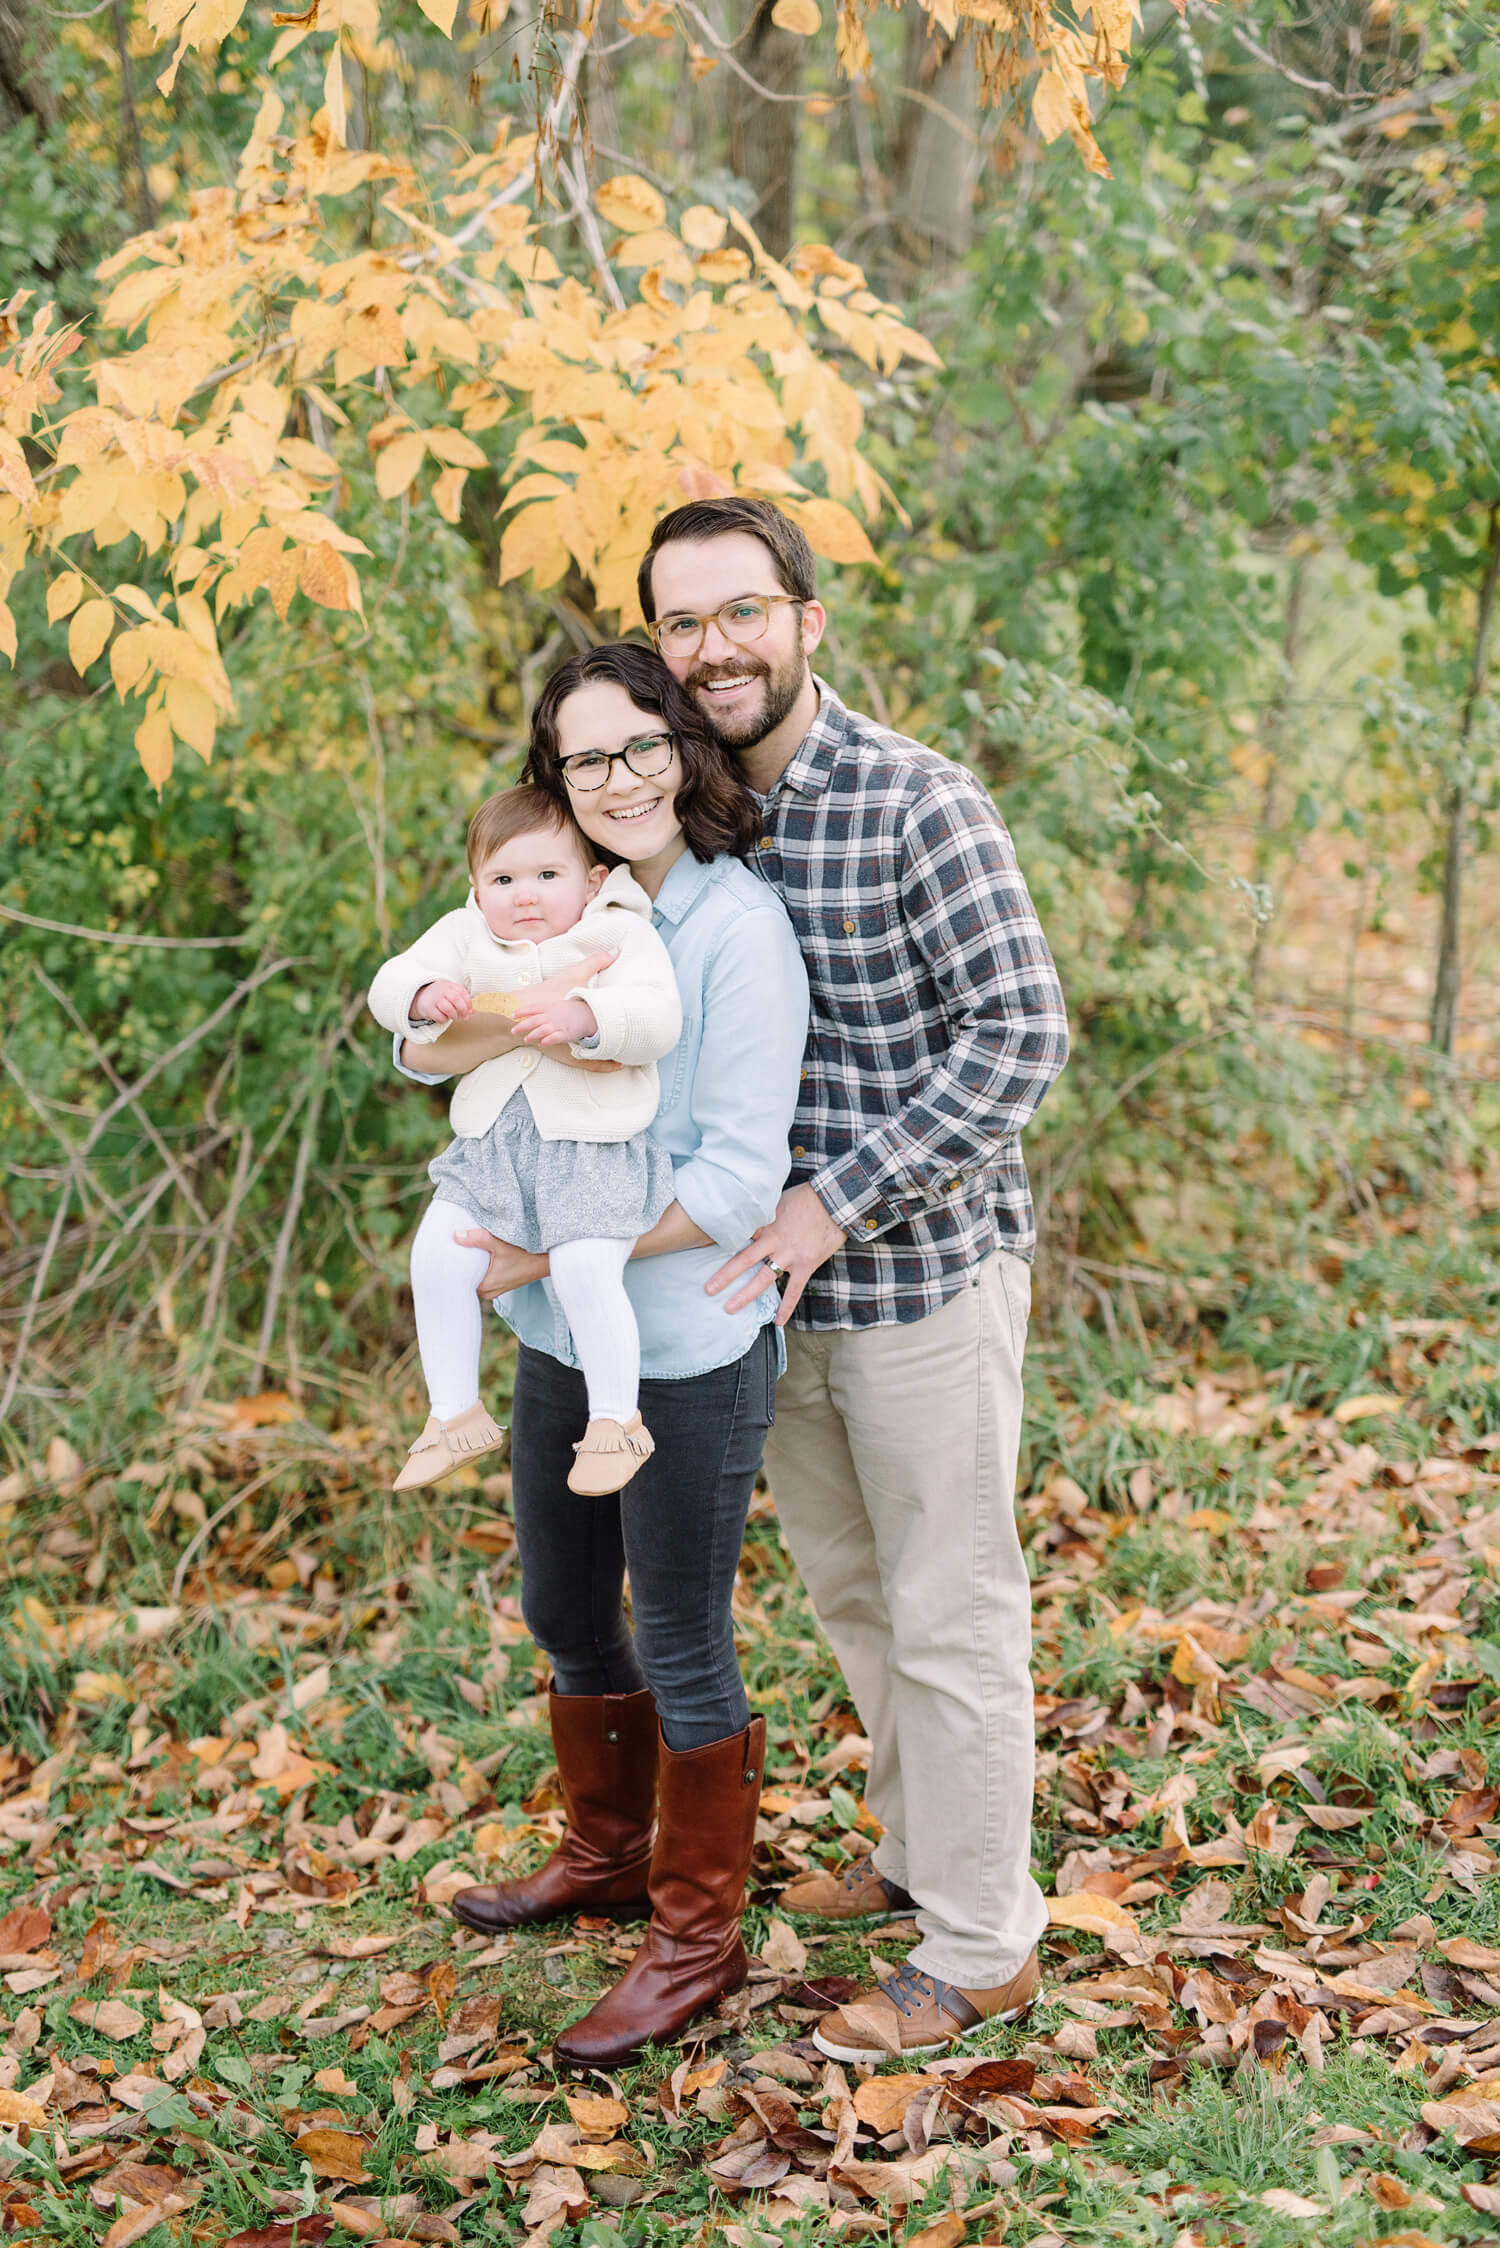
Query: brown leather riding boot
pixel 692 1955
pixel 606 1761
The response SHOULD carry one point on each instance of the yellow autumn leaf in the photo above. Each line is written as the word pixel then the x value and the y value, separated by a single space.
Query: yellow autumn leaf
pixel 7 633
pixel 333 95
pixel 1052 105
pixel 800 16
pixel 630 204
pixel 702 227
pixel 399 462
pixel 153 741
pixel 192 714
pixel 448 493
pixel 1368 1407
pixel 440 12
pixel 324 577
pixel 63 596
pixel 532 542
pixel 458 451
pixel 129 659
pixel 88 632
pixel 1095 1915
pixel 833 532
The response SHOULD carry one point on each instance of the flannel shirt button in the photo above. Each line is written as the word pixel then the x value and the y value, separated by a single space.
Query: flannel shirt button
pixel 869 1225
pixel 953 1183
pixel 765 843
pixel 799 1151
pixel 848 928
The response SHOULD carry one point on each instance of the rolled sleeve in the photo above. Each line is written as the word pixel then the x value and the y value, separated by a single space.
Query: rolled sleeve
pixel 744 1092
pixel 416 1076
pixel 971 919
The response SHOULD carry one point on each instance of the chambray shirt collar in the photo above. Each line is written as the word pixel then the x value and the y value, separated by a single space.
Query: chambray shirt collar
pixel 812 762
pixel 682 887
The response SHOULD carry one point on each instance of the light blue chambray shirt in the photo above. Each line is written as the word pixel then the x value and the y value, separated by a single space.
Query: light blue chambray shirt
pixel 728 1092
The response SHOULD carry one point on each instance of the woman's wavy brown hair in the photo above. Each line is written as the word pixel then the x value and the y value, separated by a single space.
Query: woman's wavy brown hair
pixel 717 811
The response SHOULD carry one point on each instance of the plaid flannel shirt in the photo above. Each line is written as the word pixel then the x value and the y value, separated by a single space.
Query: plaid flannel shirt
pixel 937 1017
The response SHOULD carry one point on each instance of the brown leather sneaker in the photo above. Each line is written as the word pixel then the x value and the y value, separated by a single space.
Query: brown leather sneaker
pixel 915 2013
pixel 858 1893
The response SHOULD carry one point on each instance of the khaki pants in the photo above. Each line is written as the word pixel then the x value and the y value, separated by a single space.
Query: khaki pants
pixel 893 1468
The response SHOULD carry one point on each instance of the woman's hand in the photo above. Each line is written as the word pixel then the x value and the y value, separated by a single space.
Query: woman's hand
pixel 441 1001
pixel 554 1022
pixel 510 1267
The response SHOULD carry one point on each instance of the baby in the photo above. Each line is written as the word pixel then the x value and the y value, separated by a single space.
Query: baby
pixel 548 1156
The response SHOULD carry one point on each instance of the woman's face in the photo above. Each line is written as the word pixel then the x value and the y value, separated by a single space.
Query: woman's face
pixel 632 815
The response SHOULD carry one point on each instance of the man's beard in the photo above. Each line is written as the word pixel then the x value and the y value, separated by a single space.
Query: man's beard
pixel 742 730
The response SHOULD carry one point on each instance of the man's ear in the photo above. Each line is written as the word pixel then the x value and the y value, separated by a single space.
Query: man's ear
pixel 814 625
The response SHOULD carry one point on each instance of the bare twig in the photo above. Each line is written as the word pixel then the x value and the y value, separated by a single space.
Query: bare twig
pixel 208 1319
pixel 726 49
pixel 39 1281
pixel 100 1126
pixel 121 936
pixel 61 999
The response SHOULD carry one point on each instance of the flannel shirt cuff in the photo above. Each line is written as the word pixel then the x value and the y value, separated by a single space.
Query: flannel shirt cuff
pixel 853 1199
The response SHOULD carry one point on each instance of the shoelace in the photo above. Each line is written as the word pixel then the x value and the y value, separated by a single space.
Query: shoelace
pixel 908 1988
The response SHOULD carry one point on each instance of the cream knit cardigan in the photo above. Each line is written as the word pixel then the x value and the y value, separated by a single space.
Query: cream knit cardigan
pixel 635 1004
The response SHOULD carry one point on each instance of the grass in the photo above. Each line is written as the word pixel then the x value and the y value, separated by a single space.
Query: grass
pixel 429 1706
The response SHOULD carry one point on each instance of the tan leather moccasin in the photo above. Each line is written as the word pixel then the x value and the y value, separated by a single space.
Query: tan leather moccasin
pixel 445 1445
pixel 608 1456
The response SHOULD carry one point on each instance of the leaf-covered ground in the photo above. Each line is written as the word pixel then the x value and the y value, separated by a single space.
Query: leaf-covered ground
pixel 260 1722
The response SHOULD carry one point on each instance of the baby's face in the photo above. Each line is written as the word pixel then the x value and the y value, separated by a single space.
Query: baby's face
pixel 537 885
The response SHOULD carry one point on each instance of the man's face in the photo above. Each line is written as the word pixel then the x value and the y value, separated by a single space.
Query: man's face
pixel 743 690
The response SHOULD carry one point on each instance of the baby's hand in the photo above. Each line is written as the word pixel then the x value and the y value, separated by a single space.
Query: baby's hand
pixel 441 1001
pixel 554 1022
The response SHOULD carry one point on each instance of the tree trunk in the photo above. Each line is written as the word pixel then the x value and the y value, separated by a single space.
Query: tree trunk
pixel 938 157
pixel 1275 727
pixel 763 134
pixel 129 155
pixel 1449 980
pixel 24 41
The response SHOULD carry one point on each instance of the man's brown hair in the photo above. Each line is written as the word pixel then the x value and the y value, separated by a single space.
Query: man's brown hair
pixel 520 811
pixel 796 571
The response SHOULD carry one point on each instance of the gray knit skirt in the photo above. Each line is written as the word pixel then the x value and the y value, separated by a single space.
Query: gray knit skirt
pixel 536 1193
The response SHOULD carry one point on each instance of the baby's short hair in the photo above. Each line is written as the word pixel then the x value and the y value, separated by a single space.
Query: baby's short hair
pixel 523 810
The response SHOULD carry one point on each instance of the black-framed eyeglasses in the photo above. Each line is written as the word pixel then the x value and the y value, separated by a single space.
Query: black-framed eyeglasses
pixel 588 769
pixel 741 620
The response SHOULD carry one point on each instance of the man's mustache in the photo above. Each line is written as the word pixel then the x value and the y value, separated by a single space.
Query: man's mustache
pixel 705 673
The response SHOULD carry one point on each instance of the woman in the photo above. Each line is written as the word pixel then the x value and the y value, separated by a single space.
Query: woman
pixel 656 1723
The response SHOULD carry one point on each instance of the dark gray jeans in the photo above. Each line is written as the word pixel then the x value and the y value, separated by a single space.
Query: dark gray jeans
pixel 677 1527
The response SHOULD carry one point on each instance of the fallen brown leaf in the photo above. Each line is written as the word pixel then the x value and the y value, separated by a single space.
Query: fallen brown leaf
pixel 335 2154
pixel 111 2017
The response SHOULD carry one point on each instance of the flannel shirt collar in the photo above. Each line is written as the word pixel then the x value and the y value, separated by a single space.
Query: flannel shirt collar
pixel 813 760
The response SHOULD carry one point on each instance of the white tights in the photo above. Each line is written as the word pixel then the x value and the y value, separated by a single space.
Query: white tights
pixel 589 1277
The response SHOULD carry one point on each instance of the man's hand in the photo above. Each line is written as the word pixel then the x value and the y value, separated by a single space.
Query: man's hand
pixel 441 1001
pixel 554 1022
pixel 798 1239
pixel 510 1267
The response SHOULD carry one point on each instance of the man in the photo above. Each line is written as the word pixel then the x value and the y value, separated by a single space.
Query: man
pixel 905 1237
